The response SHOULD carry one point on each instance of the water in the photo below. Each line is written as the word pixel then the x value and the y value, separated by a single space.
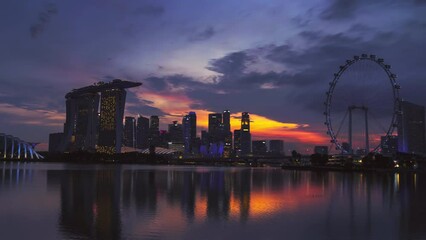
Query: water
pixel 67 201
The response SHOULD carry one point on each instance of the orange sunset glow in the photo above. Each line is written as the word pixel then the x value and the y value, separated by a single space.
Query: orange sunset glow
pixel 177 104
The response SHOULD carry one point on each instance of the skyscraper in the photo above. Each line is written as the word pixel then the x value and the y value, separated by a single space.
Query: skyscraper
pixel 142 132
pixel 237 142
pixel 129 139
pixel 245 134
pixel 111 120
pixel 81 124
pixel 189 123
pixel 411 128
pixel 227 134
pixel 227 121
pixel 85 126
pixel 154 131
pixel 175 132
pixel 215 127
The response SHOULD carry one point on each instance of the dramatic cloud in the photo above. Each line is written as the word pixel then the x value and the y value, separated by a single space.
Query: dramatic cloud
pixel 274 60
pixel 43 19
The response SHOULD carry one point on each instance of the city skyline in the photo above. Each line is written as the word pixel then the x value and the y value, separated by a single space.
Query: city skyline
pixel 273 60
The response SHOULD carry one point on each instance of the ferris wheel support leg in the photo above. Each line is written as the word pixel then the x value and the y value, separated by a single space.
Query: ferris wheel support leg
pixel 367 145
pixel 350 130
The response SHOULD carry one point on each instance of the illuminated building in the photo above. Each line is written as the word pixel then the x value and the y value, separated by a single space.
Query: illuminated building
pixel 227 121
pixel 227 149
pixel 81 124
pixel 129 139
pixel 154 131
pixel 411 128
pixel 245 134
pixel 276 147
pixel 237 142
pixel 111 121
pixel 215 127
pixel 321 150
pixel 220 136
pixel 259 147
pixel 189 123
pixel 227 134
pixel 85 127
pixel 142 132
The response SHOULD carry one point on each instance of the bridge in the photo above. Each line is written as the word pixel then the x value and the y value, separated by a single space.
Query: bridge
pixel 14 148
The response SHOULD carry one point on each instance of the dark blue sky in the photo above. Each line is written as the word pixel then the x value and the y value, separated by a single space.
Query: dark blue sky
pixel 273 59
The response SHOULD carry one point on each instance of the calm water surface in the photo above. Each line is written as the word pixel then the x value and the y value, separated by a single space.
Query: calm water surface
pixel 66 201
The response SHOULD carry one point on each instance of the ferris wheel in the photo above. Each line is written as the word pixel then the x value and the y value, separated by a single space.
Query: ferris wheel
pixel 366 85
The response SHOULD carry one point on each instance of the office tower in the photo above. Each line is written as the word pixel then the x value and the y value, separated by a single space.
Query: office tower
pixel 189 124
pixel 154 131
pixel 227 149
pixel 237 142
pixel 259 147
pixel 81 124
pixel 389 145
pixel 276 147
pixel 55 140
pixel 227 121
pixel 129 138
pixel 175 132
pixel 142 132
pixel 193 124
pixel 215 127
pixel 321 150
pixel 227 134
pixel 245 134
pixel 411 128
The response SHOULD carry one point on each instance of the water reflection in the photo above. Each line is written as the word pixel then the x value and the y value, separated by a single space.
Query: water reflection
pixel 115 202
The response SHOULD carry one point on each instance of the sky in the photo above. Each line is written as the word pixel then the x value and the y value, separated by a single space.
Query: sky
pixel 273 59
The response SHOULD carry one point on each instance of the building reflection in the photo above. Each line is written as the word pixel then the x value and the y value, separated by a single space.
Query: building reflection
pixel 412 197
pixel 94 202
pixel 14 174
pixel 90 203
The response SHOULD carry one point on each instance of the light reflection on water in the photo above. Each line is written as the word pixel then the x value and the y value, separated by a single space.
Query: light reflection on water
pixel 59 201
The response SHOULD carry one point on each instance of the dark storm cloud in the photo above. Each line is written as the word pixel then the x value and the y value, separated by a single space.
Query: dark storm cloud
pixel 43 19
pixel 232 64
pixel 144 110
pixel 172 82
pixel 238 87
pixel 156 83
pixel 203 35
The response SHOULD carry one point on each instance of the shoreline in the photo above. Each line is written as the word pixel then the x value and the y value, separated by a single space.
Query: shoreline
pixel 223 163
